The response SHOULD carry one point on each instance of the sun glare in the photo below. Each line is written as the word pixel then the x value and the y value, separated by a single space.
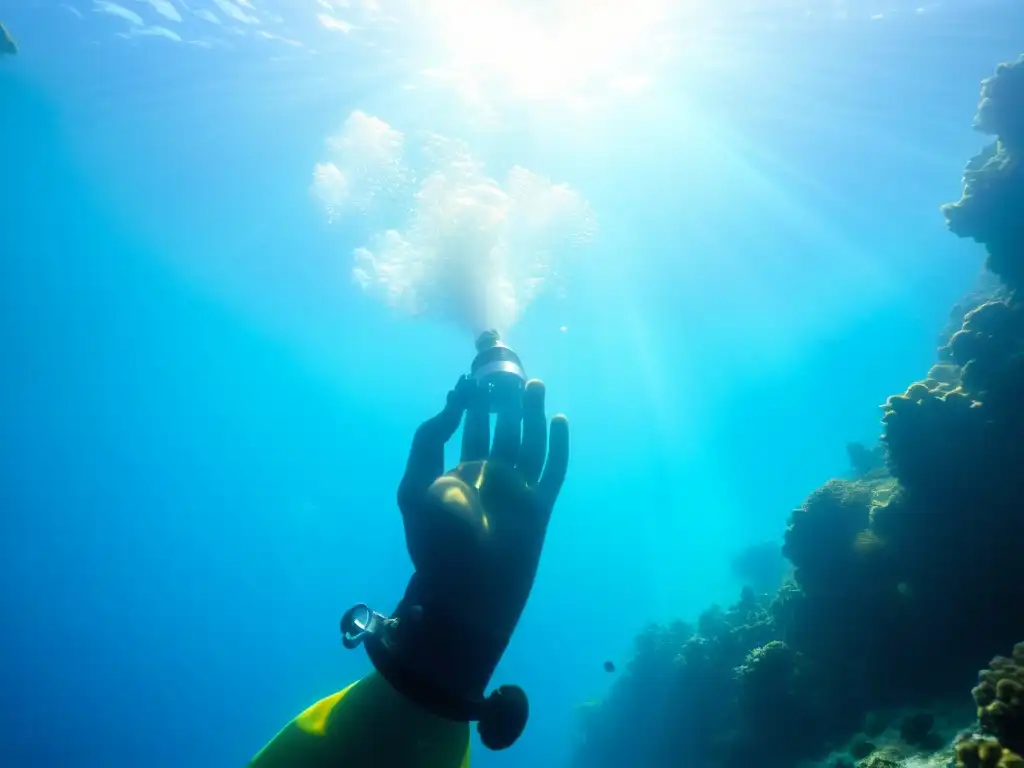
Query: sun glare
pixel 554 50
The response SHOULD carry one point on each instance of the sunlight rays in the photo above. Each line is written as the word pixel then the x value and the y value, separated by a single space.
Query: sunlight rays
pixel 558 52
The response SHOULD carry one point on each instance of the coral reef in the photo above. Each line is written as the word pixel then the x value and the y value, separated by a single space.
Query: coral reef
pixel 905 578
pixel 986 753
pixel 866 462
pixel 1000 699
pixel 775 706
pixel 877 760
pixel 993 194
pixel 828 523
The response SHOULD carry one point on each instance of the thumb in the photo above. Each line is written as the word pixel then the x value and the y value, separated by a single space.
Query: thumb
pixel 426 456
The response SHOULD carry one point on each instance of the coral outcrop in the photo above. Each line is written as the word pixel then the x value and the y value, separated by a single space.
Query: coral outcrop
pixel 986 753
pixel 993 193
pixel 904 578
pixel 1000 699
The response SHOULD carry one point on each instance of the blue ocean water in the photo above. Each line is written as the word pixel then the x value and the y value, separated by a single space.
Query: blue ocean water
pixel 204 418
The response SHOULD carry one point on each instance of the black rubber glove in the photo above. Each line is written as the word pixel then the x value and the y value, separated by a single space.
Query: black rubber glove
pixel 475 536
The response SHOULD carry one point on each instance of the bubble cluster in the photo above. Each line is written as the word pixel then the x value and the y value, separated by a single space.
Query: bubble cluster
pixel 456 244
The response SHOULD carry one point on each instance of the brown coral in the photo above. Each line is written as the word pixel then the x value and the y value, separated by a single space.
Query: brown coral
pixel 918 429
pixel 1001 109
pixel 986 753
pixel 989 210
pixel 827 524
pixel 1000 699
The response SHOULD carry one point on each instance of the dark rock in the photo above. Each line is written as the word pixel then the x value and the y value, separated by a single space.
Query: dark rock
pixel 875 723
pixel 861 748
pixel 932 742
pixel 879 761
pixel 916 727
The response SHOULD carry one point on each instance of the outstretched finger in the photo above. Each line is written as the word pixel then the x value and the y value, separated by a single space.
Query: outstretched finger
pixel 426 457
pixel 558 462
pixel 535 432
pixel 476 432
pixel 508 428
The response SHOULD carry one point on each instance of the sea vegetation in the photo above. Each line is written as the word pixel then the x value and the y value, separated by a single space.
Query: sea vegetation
pixel 906 576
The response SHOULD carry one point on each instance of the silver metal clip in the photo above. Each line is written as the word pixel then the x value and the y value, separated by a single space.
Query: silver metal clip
pixel 360 621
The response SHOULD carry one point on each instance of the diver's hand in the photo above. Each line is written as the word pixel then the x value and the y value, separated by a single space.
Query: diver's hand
pixel 479 528
pixel 475 536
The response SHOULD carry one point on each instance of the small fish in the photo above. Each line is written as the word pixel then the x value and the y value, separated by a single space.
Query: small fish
pixel 609 666
pixel 7 44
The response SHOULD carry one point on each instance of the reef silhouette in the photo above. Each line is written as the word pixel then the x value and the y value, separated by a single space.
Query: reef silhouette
pixel 905 579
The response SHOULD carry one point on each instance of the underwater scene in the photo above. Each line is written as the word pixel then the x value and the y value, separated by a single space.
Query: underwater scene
pixel 505 383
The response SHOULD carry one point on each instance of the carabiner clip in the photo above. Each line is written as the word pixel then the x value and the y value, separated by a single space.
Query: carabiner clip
pixel 358 622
